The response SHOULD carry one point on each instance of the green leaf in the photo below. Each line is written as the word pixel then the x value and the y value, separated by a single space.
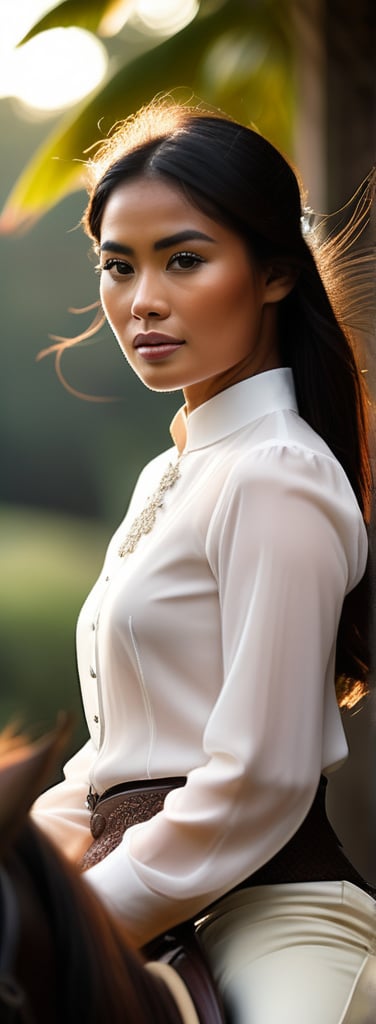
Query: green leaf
pixel 57 167
pixel 93 16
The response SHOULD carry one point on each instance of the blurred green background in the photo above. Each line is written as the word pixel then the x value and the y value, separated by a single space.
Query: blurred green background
pixel 304 73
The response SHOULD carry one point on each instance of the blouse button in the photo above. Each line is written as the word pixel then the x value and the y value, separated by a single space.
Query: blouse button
pixel 93 626
pixel 93 672
pixel 107 579
pixel 96 719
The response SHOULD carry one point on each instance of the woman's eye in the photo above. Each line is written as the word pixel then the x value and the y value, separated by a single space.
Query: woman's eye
pixel 119 266
pixel 184 261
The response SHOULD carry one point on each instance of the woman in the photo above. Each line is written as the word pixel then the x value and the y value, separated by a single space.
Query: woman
pixel 229 598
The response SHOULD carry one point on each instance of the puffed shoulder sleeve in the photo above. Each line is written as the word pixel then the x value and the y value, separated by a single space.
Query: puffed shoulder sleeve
pixel 285 543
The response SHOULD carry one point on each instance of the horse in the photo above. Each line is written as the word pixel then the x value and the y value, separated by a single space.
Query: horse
pixel 63 956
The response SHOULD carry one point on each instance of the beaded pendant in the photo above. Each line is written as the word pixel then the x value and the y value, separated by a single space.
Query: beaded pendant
pixel 144 522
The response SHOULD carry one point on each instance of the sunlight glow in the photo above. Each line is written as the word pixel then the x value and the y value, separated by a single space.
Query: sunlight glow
pixel 60 67
pixel 166 16
pixel 55 69
pixel 52 71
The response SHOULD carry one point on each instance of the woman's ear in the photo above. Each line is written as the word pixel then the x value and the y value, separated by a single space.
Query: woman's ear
pixel 279 281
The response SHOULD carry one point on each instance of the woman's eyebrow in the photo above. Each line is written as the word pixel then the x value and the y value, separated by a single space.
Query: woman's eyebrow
pixel 109 246
pixel 182 236
pixel 190 234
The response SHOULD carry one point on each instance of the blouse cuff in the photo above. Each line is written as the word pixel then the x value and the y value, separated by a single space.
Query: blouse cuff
pixel 144 912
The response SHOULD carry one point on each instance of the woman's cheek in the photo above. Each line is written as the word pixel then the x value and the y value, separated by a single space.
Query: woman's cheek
pixel 110 305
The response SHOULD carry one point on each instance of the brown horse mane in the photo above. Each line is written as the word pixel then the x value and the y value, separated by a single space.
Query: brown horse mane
pixel 99 977
pixel 80 953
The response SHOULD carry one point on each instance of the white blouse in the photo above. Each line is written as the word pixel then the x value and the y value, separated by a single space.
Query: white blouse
pixel 209 652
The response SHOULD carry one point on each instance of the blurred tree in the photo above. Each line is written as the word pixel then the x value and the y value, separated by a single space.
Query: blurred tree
pixel 335 135
pixel 237 54
pixel 335 122
pixel 350 32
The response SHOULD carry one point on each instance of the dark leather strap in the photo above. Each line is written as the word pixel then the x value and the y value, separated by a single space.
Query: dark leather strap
pixel 181 949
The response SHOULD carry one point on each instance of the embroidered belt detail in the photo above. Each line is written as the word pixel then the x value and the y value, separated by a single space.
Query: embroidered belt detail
pixel 121 807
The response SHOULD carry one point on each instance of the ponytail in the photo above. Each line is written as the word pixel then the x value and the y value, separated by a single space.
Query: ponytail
pixel 319 328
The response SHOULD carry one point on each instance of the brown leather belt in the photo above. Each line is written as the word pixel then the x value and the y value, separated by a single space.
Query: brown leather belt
pixel 120 807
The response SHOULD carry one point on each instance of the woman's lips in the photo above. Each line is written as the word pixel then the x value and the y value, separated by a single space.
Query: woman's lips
pixel 154 346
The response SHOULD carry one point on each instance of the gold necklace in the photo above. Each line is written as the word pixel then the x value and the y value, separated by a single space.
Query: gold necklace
pixel 144 522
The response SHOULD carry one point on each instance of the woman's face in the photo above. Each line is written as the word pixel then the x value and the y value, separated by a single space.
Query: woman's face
pixel 187 305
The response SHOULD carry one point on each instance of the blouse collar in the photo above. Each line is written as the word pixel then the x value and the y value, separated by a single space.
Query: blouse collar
pixel 233 409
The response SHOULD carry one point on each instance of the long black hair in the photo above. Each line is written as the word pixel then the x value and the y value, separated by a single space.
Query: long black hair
pixel 236 176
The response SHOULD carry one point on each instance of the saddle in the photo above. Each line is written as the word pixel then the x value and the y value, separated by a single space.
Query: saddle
pixel 178 958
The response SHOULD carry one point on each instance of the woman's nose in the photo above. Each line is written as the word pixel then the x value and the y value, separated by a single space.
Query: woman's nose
pixel 148 300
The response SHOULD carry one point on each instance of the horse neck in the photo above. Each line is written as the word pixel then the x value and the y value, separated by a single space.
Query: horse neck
pixel 73 960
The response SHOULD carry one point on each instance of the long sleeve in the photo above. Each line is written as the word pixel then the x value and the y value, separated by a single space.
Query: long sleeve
pixel 284 544
pixel 61 811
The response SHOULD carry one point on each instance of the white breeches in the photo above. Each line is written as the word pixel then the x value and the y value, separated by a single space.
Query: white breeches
pixel 295 954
